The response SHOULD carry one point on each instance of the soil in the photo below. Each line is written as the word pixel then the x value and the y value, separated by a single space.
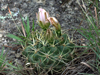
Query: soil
pixel 67 12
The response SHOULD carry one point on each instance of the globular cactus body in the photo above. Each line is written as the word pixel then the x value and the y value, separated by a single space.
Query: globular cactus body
pixel 49 55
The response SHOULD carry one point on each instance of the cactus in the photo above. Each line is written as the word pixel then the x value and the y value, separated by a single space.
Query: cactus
pixel 47 54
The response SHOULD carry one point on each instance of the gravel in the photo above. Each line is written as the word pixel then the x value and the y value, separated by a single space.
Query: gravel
pixel 68 14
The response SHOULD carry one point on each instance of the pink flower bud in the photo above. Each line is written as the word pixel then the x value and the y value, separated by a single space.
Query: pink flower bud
pixel 42 18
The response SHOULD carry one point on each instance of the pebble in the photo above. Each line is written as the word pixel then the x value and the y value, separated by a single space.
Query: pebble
pixel 5 42
pixel 15 9
pixel 3 39
pixel 51 3
pixel 20 1
pixel 13 52
pixel 76 8
pixel 18 55
pixel 24 5
pixel 1 35
pixel 18 62
pixel 27 0
pixel 4 7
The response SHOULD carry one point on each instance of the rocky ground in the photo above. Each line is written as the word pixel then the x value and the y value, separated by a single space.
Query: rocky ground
pixel 67 12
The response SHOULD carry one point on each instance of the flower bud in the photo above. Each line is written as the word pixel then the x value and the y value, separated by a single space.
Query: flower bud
pixel 42 19
pixel 49 35
pixel 56 24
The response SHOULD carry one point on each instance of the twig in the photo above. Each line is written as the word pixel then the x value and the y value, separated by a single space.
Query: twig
pixel 95 9
pixel 84 63
pixel 13 20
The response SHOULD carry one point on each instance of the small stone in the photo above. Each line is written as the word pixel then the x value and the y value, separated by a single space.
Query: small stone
pixel 3 0
pixel 13 52
pixel 18 55
pixel 25 15
pixel 1 13
pixel 17 62
pixel 68 6
pixel 3 39
pixel 24 5
pixel 20 1
pixel 27 0
pixel 76 8
pixel 15 9
pixel 0 35
pixel 4 7
pixel 28 64
pixel 5 42
pixel 60 1
pixel 51 3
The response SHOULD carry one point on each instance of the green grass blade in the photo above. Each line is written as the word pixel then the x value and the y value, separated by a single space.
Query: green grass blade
pixel 33 26
pixel 1 55
pixel 95 53
pixel 11 65
pixel 2 58
pixel 28 27
pixel 83 34
pixel 24 24
pixel 14 37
